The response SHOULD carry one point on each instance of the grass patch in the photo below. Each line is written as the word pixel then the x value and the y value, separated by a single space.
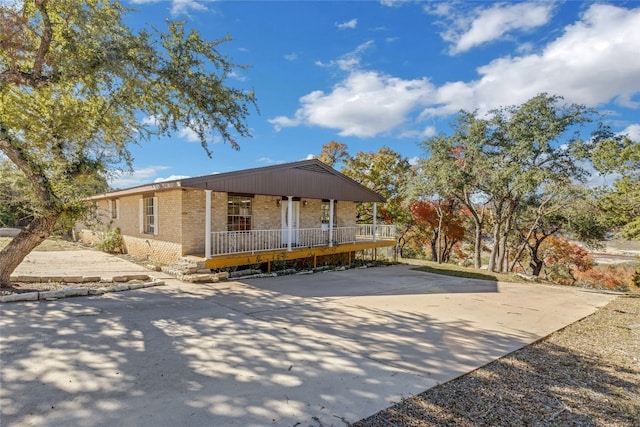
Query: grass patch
pixel 469 273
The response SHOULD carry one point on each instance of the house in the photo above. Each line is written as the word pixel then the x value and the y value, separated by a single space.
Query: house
pixel 289 211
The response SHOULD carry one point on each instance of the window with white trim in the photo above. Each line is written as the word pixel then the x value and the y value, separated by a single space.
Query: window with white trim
pixel 115 208
pixel 239 213
pixel 325 211
pixel 149 215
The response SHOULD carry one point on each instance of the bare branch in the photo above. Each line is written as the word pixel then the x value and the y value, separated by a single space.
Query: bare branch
pixel 45 39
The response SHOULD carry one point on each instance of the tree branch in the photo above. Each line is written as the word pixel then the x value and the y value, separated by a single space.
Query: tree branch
pixel 45 40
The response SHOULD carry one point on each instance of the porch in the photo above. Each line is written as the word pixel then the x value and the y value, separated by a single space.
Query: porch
pixel 233 248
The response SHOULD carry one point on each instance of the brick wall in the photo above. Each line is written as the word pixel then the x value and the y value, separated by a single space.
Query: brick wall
pixel 181 221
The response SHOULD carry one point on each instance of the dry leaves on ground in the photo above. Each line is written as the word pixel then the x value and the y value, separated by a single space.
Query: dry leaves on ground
pixel 587 374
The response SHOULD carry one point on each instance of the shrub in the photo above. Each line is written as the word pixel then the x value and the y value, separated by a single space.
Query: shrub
pixel 614 277
pixel 112 242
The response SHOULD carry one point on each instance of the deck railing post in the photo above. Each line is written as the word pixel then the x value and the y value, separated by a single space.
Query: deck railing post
pixel 289 221
pixel 207 224
pixel 331 222
pixel 375 215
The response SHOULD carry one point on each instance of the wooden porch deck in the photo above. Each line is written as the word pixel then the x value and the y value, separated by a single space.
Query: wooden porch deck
pixel 248 258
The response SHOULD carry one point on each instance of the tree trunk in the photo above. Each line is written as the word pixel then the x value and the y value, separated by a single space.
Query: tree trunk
pixel 440 216
pixel 477 246
pixel 504 240
pixel 496 243
pixel 21 245
pixel 434 250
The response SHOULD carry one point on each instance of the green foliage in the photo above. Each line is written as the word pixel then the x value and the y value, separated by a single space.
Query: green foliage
pixel 15 196
pixel 386 172
pixel 75 82
pixel 498 163
pixel 621 203
pixel 111 242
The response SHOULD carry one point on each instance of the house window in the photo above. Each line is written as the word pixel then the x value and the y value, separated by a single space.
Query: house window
pixel 115 208
pixel 239 213
pixel 325 211
pixel 149 215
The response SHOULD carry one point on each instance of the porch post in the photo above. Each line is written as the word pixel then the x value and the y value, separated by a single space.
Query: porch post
pixel 375 217
pixel 289 221
pixel 331 222
pixel 207 224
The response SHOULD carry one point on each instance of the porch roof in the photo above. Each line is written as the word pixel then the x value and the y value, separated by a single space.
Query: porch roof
pixel 307 178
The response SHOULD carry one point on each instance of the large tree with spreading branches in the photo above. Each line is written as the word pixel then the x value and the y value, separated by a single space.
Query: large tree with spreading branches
pixel 76 85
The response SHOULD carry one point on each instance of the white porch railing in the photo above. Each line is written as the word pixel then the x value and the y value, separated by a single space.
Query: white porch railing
pixel 232 242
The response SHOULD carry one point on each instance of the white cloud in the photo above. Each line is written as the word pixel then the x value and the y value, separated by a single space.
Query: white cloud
pixel 310 157
pixel 350 60
pixel 494 22
pixel 364 105
pixel 137 177
pixel 594 61
pixel 352 24
pixel 170 178
pixel 632 131
pixel 188 134
pixel 291 56
pixel 178 7
pixel 270 161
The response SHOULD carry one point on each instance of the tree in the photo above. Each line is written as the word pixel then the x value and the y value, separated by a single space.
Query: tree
pixel 75 85
pixel 619 154
pixel 503 159
pixel 443 220
pixel 454 166
pixel 386 172
pixel 334 152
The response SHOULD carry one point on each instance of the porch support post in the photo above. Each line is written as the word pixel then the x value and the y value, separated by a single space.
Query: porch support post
pixel 375 218
pixel 289 221
pixel 207 224
pixel 331 210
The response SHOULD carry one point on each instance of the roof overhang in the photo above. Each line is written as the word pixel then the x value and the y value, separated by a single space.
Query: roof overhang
pixel 307 179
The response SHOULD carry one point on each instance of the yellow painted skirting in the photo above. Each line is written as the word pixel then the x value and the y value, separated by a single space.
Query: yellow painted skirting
pixel 233 260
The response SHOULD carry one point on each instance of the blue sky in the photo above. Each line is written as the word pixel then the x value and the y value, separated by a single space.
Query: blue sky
pixel 392 73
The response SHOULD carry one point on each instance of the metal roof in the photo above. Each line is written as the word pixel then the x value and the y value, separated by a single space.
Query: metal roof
pixel 307 178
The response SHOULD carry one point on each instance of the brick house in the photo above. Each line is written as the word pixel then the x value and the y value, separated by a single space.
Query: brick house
pixel 246 217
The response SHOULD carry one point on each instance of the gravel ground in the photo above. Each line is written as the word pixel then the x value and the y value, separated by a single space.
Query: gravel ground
pixel 587 374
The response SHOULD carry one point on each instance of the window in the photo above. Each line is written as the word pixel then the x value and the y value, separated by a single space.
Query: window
pixel 149 215
pixel 239 213
pixel 325 211
pixel 115 208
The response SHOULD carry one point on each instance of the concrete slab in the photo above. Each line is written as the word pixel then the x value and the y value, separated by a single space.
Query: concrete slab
pixel 321 350
pixel 78 263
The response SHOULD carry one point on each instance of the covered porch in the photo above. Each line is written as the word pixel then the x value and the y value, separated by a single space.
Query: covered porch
pixel 236 248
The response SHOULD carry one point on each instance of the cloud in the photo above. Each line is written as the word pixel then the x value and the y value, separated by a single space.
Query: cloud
pixel 171 178
pixel 188 134
pixel 350 60
pixel 291 56
pixel 483 25
pixel 347 25
pixel 310 157
pixel 137 177
pixel 632 131
pixel 593 62
pixel 364 105
pixel 270 161
pixel 178 7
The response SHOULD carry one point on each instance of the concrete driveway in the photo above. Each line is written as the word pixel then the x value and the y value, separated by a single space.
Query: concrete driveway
pixel 315 350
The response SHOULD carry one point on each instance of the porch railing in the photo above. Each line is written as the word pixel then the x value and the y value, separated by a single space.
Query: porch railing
pixel 232 242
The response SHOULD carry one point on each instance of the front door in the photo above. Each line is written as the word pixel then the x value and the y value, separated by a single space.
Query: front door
pixel 294 224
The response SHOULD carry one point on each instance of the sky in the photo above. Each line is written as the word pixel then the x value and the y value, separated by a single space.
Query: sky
pixel 393 73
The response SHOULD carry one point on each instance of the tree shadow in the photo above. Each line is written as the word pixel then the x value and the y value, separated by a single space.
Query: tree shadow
pixel 225 354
